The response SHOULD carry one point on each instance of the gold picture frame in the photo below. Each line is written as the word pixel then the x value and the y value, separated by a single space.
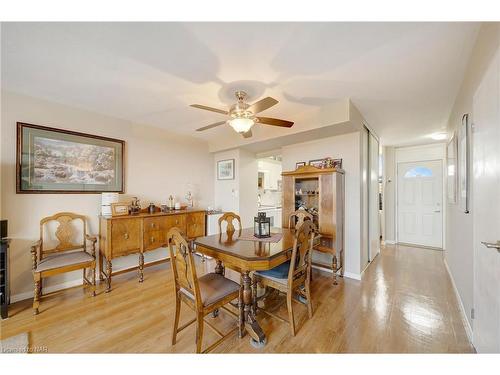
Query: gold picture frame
pixel 119 209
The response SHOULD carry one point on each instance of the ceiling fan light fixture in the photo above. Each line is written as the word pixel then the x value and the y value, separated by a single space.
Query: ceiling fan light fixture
pixel 242 124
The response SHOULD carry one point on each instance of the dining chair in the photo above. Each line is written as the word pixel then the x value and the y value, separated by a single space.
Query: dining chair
pixel 204 294
pixel 64 250
pixel 229 218
pixel 292 276
pixel 298 217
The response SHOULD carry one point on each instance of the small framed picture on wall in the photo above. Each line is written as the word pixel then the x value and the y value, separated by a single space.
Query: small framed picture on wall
pixel 225 169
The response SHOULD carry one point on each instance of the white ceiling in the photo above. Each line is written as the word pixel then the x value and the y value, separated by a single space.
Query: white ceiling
pixel 403 77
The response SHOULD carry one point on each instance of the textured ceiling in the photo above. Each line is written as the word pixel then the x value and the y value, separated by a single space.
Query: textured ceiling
pixel 403 77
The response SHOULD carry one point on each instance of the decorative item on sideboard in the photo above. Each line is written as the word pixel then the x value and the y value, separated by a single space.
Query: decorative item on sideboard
pixel 107 199
pixel 135 206
pixel 119 209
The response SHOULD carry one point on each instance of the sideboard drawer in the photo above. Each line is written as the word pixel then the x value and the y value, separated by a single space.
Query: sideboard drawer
pixel 195 225
pixel 125 237
pixel 152 224
pixel 154 239
pixel 178 221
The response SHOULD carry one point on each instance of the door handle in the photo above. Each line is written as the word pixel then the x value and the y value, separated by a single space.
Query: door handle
pixel 436 211
pixel 492 245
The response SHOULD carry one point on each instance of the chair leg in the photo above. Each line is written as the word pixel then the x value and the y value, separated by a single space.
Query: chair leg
pixel 199 332
pixel 93 281
pixel 241 323
pixel 36 295
pixel 309 300
pixel 290 311
pixel 176 318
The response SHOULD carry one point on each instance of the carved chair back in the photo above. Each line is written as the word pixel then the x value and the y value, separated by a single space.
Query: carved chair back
pixel 300 263
pixel 298 218
pixel 66 233
pixel 183 265
pixel 229 217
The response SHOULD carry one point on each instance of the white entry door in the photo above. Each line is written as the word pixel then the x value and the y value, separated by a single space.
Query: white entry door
pixel 486 212
pixel 420 208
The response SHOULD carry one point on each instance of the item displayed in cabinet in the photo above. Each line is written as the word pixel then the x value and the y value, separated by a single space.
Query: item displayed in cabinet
pixel 119 209
pixel 262 226
pixel 135 206
pixel 316 163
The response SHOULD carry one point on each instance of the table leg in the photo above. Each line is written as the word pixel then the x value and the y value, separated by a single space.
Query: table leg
pixel 109 269
pixel 241 320
pixel 251 325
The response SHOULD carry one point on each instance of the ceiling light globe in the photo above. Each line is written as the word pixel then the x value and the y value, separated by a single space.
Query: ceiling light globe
pixel 241 125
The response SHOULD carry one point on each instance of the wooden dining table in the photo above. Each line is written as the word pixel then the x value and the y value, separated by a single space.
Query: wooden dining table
pixel 244 256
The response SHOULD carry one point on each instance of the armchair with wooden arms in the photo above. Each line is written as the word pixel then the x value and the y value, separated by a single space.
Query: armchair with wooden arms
pixel 53 256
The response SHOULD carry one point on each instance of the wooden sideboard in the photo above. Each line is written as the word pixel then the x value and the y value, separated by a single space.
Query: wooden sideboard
pixel 136 234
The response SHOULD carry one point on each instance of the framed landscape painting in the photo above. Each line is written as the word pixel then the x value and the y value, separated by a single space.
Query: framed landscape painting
pixel 52 160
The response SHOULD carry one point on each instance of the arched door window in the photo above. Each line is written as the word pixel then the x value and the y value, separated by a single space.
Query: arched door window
pixel 418 172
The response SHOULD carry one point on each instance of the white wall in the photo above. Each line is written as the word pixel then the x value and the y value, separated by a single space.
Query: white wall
pixel 347 147
pixel 238 195
pixel 157 164
pixel 389 195
pixel 459 249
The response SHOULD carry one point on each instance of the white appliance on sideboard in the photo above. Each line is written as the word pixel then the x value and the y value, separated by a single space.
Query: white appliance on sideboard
pixel 213 222
pixel 212 227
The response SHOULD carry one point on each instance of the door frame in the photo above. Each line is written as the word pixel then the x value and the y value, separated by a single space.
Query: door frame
pixel 415 154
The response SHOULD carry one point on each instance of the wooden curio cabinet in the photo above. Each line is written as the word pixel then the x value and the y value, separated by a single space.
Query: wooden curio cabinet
pixel 321 192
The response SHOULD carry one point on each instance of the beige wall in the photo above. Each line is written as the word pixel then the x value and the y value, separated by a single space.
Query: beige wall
pixel 157 164
pixel 459 249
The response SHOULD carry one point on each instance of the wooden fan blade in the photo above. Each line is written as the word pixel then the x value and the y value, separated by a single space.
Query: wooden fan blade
pixel 211 126
pixel 199 106
pixel 248 134
pixel 275 122
pixel 262 105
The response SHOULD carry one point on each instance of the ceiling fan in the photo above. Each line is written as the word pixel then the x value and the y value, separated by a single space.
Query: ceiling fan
pixel 242 116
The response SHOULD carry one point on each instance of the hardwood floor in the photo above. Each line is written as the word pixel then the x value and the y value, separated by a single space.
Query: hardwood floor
pixel 405 303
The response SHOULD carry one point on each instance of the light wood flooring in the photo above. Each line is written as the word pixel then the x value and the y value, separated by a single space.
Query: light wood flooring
pixel 405 303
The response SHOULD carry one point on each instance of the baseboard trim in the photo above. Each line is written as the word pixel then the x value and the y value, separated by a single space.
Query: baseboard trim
pixel 468 328
pixel 389 242
pixel 351 275
pixel 49 289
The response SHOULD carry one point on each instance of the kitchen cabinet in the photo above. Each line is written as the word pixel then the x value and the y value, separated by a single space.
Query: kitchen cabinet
pixel 269 174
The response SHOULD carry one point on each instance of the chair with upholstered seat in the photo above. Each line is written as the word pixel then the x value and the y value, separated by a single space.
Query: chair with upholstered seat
pixel 65 253
pixel 204 294
pixel 298 217
pixel 293 276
